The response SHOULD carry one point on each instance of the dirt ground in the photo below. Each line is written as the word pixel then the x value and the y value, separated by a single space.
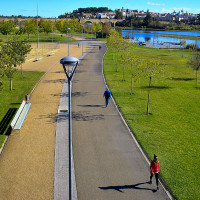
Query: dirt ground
pixel 27 161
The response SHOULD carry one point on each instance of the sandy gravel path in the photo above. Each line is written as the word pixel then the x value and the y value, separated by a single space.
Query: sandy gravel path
pixel 27 162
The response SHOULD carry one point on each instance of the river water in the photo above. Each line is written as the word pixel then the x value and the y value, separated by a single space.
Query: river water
pixel 155 37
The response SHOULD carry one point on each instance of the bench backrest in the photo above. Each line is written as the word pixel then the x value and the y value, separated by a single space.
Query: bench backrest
pixel 18 114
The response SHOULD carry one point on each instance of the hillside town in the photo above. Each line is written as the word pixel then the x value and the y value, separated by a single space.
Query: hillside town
pixel 126 13
pixel 122 14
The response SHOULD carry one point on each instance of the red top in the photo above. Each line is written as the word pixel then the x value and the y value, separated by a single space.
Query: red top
pixel 154 167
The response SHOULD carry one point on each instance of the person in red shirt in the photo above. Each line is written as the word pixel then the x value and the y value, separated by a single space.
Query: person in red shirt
pixel 154 169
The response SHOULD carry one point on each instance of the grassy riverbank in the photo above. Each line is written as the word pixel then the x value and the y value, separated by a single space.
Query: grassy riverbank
pixel 13 99
pixel 172 131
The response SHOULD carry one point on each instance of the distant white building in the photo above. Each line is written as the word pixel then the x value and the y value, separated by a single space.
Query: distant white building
pixel 101 16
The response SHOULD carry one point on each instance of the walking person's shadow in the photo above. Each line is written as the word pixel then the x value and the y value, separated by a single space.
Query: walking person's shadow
pixel 124 187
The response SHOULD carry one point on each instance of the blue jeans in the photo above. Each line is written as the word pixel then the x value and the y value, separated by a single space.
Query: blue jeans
pixel 107 101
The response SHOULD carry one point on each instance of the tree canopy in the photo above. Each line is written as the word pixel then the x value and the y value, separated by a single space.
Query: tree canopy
pixel 92 10
pixel 12 53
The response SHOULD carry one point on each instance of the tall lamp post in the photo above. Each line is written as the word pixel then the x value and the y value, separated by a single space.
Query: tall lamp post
pixel 52 31
pixel 73 63
pixel 68 29
pixel 37 28
pixel 82 39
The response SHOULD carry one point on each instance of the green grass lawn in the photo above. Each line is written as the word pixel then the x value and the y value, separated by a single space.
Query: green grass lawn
pixel 172 132
pixel 13 99
pixel 43 37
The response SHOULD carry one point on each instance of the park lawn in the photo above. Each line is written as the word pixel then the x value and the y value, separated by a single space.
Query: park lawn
pixel 13 99
pixel 172 131
pixel 43 37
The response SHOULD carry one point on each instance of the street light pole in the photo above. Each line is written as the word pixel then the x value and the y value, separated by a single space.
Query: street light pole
pixel 37 27
pixel 70 61
pixel 82 39
pixel 52 31
pixel 68 29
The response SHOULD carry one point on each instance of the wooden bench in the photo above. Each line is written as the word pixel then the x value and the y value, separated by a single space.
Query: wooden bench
pixel 18 120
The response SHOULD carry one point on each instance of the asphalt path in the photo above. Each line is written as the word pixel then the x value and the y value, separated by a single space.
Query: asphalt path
pixel 108 163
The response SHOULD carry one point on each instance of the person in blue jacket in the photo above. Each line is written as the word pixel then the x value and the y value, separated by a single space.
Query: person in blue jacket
pixel 107 95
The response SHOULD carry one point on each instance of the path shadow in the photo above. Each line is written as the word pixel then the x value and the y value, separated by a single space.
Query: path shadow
pixel 79 94
pixel 156 87
pixel 60 95
pixel 15 103
pixel 85 116
pixel 92 106
pixel 51 118
pixel 182 79
pixel 119 188
pixel 54 81
pixel 5 122
pixel 58 72
pixel 163 55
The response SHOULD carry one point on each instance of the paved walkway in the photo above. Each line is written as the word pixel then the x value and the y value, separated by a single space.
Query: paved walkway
pixel 108 163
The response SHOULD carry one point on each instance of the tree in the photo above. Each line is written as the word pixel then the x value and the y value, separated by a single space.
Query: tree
pixel 14 53
pixel 151 68
pixel 9 69
pixel 114 40
pixel 59 25
pixel 96 27
pixel 47 26
pixel 195 63
pixel 125 45
pixel 106 28
pixel 182 44
pixel 2 66
pixel 198 18
pixel 7 27
pixel 135 63
pixel 29 27
pixel 148 19
pixel 118 15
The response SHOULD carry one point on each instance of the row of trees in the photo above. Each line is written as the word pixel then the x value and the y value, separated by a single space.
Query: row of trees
pixel 12 53
pixel 29 26
pixel 141 66
pixel 47 26
pixel 92 10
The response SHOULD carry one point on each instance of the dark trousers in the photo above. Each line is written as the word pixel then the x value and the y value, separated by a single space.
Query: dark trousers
pixel 107 101
pixel 156 175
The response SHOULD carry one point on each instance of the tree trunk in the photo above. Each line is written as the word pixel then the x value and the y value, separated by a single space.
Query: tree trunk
pixel 132 84
pixel 115 57
pixel 21 71
pixel 148 96
pixel 182 52
pixel 117 61
pixel 10 83
pixel 123 71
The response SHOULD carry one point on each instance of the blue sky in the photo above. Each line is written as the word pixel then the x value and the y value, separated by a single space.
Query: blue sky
pixel 53 8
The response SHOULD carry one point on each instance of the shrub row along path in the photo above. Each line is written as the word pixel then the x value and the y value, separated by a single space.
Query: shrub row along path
pixel 108 163
pixel 27 161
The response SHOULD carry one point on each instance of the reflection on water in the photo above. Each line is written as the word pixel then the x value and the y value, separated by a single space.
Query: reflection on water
pixel 153 37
